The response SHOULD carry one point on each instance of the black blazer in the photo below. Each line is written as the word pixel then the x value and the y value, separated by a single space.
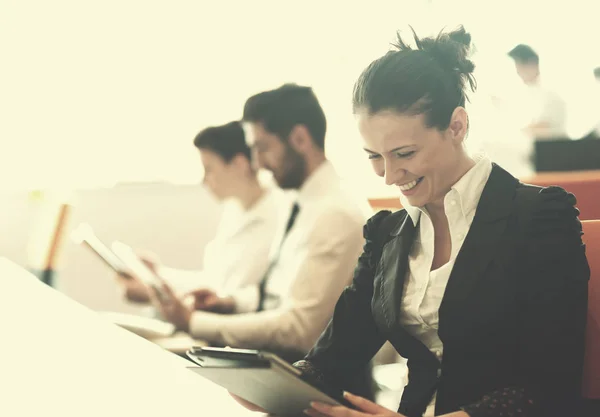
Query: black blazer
pixel 512 319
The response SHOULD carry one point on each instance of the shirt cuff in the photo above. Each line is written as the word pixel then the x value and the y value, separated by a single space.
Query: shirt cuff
pixel 205 326
pixel 246 299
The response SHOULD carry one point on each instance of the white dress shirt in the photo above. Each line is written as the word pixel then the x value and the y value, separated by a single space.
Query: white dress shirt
pixel 545 106
pixel 316 262
pixel 239 253
pixel 424 288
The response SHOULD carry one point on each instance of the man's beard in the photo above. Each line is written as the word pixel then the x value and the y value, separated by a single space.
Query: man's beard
pixel 294 170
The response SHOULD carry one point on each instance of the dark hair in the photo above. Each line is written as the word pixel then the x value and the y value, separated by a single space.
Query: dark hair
pixel 430 79
pixel 227 141
pixel 524 54
pixel 281 109
pixel 597 72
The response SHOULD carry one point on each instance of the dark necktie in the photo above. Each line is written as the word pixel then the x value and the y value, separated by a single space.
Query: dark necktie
pixel 263 283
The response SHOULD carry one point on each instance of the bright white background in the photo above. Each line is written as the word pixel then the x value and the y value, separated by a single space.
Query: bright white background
pixel 98 92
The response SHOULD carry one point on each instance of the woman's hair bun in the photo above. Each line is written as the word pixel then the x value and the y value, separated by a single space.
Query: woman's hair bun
pixel 449 49
pixel 459 35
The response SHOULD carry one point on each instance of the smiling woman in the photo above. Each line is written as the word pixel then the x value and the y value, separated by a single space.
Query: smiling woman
pixel 480 281
pixel 423 162
pixel 415 140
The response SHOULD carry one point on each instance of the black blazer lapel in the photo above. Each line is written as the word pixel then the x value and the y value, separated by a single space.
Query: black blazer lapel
pixel 389 280
pixel 388 288
pixel 479 247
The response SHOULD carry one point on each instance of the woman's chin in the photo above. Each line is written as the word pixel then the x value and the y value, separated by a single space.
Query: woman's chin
pixel 416 199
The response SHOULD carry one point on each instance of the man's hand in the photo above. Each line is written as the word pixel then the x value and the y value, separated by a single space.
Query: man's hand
pixel 541 130
pixel 172 308
pixel 208 300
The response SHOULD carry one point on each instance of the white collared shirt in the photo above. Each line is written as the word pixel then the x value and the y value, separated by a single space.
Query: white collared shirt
pixel 239 253
pixel 316 262
pixel 423 288
pixel 545 106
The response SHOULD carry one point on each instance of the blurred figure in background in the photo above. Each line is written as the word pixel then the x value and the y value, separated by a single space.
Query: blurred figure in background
pixel 589 108
pixel 531 112
pixel 313 255
pixel 545 109
pixel 596 132
pixel 238 255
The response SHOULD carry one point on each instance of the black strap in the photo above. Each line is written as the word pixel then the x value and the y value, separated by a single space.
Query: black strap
pixel 262 288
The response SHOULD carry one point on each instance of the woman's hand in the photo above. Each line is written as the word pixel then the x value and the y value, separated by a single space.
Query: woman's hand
pixel 365 408
pixel 172 308
pixel 248 404
pixel 133 289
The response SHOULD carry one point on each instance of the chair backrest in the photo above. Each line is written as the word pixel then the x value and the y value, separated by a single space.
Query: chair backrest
pixel 591 372
pixel 584 184
pixel 385 203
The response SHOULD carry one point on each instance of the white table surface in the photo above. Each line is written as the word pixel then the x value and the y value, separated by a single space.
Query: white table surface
pixel 59 358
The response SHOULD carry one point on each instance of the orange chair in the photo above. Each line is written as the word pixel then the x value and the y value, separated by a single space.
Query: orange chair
pixel 584 184
pixel 385 203
pixel 591 372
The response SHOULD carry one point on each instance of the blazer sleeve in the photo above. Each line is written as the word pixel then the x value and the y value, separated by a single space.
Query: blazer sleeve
pixel 351 338
pixel 553 305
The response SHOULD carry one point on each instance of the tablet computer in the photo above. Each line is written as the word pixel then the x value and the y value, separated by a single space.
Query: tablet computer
pixel 84 234
pixel 261 378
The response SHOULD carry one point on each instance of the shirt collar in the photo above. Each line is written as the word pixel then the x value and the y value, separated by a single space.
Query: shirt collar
pixel 261 207
pixel 238 217
pixel 413 211
pixel 319 183
pixel 468 189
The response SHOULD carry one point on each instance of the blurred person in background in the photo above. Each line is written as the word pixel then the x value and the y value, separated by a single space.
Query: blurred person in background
pixel 589 108
pixel 237 257
pixel 315 251
pixel 546 110
pixel 531 112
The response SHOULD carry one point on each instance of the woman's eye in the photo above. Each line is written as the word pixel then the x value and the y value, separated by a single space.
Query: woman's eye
pixel 405 154
pixel 374 156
